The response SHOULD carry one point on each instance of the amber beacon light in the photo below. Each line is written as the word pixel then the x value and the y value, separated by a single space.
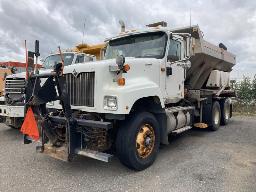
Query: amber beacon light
pixel 126 67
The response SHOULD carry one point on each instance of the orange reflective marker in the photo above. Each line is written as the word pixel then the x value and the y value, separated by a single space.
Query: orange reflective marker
pixel 29 126
pixel 121 81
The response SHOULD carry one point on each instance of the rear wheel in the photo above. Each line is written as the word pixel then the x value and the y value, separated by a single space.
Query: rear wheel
pixel 225 111
pixel 138 141
pixel 216 116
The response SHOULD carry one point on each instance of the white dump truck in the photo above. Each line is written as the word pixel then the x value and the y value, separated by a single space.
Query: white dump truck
pixel 13 101
pixel 153 83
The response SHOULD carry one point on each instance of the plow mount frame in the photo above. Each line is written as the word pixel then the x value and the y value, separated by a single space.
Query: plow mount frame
pixel 37 96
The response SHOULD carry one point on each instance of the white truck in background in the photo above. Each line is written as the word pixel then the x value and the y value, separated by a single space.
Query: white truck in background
pixel 13 101
pixel 153 83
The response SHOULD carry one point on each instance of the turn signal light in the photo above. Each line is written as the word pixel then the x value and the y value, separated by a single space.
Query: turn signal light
pixel 126 67
pixel 121 81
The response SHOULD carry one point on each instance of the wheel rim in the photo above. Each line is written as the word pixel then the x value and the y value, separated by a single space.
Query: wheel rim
pixel 227 112
pixel 145 141
pixel 216 117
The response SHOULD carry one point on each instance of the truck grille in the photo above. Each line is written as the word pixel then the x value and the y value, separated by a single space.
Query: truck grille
pixel 81 88
pixel 15 85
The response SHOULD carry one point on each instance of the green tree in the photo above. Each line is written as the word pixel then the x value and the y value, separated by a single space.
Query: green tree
pixel 244 91
pixel 254 89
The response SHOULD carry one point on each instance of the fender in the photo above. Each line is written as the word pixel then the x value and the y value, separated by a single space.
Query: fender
pixel 134 90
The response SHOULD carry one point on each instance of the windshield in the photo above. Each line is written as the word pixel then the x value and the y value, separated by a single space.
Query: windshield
pixel 147 45
pixel 51 60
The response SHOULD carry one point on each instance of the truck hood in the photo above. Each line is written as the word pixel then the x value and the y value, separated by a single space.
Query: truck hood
pixel 92 66
pixel 104 64
pixel 142 80
pixel 17 75
pixel 23 74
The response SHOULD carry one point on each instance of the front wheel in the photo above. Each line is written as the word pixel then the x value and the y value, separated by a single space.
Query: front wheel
pixel 138 141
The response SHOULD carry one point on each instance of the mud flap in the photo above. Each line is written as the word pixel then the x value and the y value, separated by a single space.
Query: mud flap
pixel 207 111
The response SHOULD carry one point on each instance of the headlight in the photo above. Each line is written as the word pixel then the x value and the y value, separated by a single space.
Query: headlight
pixel 110 103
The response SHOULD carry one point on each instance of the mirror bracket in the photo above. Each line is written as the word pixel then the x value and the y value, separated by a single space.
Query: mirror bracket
pixel 120 60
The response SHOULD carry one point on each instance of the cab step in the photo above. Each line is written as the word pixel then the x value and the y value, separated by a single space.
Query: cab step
pixel 94 154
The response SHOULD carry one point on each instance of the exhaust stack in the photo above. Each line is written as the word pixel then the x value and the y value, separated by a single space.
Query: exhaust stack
pixel 121 22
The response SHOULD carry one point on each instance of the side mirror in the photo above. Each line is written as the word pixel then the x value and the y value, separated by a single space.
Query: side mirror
pixel 37 54
pixel 189 49
pixel 120 60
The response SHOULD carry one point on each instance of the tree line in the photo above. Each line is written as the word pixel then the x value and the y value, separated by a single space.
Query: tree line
pixel 245 90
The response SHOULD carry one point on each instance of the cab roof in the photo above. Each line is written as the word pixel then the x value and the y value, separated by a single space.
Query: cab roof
pixel 167 30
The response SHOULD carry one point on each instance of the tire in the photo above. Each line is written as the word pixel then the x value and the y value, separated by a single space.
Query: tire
pixel 138 131
pixel 216 116
pixel 225 111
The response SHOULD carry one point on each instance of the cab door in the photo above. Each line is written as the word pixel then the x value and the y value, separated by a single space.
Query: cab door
pixel 175 72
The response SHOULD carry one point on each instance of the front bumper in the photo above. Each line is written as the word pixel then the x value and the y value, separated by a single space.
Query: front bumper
pixel 83 122
pixel 74 144
pixel 11 111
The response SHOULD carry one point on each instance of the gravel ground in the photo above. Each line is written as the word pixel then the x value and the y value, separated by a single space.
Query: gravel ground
pixel 197 160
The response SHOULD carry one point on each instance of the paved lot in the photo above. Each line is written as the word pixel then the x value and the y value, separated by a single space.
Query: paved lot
pixel 197 160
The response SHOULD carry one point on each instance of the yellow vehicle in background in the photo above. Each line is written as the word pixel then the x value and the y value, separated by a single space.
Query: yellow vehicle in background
pixel 3 73
pixel 96 50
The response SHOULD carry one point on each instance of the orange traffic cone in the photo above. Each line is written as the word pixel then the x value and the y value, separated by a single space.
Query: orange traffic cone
pixel 29 126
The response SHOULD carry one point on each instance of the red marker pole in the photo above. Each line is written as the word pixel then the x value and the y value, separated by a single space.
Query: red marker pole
pixel 26 140
pixel 26 53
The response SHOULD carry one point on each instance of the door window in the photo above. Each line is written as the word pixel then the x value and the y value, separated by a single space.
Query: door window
pixel 174 53
pixel 88 59
pixel 79 59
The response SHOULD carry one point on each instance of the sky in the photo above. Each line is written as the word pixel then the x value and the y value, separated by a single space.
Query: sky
pixel 61 22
